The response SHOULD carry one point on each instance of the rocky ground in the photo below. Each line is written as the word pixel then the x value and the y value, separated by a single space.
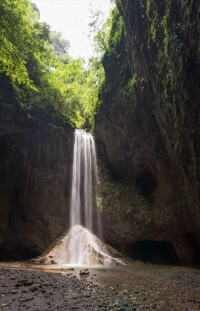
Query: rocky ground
pixel 137 288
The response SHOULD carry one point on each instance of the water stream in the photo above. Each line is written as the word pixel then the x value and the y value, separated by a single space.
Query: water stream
pixel 83 247
pixel 84 177
pixel 83 244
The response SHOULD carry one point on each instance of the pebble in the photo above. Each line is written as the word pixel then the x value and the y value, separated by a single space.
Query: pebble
pixel 38 290
pixel 34 288
pixel 84 272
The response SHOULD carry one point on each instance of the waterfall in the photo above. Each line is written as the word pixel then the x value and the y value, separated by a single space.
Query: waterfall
pixel 84 176
pixel 81 246
pixel 84 219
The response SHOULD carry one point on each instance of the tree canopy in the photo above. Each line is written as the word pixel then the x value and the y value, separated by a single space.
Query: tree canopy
pixel 20 36
pixel 40 68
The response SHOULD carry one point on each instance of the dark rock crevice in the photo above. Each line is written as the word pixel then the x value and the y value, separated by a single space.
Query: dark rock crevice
pixel 156 252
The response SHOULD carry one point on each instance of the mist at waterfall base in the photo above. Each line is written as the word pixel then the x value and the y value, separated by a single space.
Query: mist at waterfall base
pixel 81 246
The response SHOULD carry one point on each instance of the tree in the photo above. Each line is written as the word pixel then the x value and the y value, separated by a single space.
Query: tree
pixel 20 35
pixel 100 29
pixel 59 44
pixel 41 70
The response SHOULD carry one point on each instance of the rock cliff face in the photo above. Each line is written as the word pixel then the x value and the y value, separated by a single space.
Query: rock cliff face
pixel 147 134
pixel 147 129
pixel 35 170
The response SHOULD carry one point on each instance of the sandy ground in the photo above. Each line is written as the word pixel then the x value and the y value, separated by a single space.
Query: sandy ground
pixel 138 287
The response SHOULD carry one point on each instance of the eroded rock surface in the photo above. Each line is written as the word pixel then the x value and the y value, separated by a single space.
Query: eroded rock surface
pixel 35 177
pixel 147 129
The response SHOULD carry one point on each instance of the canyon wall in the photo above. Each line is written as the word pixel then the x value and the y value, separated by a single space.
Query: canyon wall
pixel 35 168
pixel 147 135
pixel 147 130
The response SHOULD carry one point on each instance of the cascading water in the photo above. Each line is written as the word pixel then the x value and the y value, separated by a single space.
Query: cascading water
pixel 84 176
pixel 83 201
pixel 81 246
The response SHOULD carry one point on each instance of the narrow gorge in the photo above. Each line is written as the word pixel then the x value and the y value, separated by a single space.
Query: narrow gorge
pixel 100 155
pixel 147 142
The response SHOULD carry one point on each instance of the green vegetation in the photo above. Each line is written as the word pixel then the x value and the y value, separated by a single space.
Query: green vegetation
pixel 129 86
pixel 41 70
pixel 107 35
pixel 59 44
pixel 21 39
pixel 73 91
pixel 117 29
pixel 120 202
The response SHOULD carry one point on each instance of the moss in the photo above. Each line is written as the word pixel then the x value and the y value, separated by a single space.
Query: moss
pixel 117 29
pixel 129 86
pixel 120 202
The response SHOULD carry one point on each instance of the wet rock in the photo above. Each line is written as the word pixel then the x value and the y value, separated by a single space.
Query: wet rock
pixel 24 283
pixel 14 291
pixel 63 292
pixel 53 262
pixel 35 287
pixel 84 272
